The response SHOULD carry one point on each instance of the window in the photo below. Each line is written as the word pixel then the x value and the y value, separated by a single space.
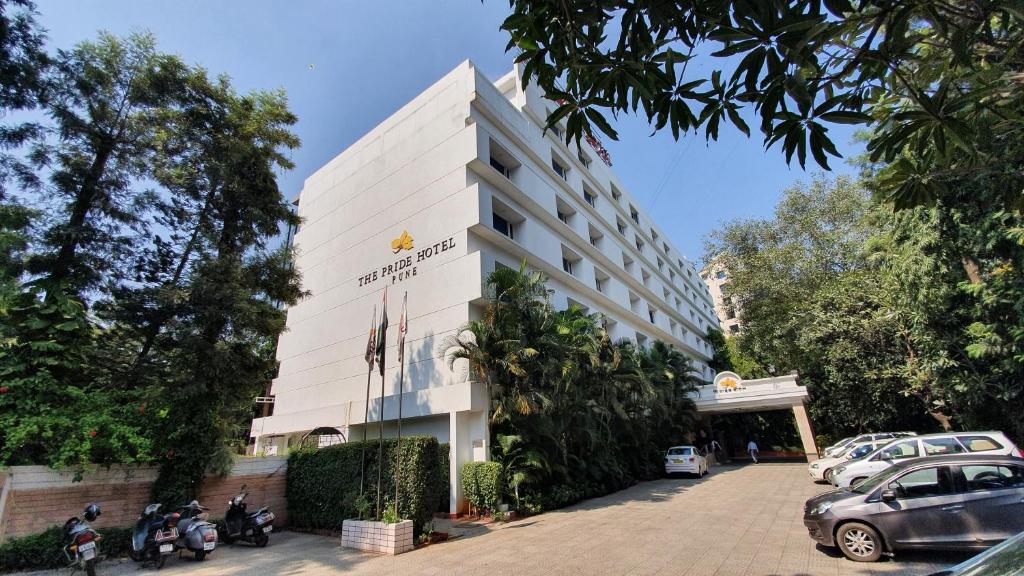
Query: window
pixel 664 246
pixel 654 236
pixel 634 214
pixel 627 263
pixel 979 443
pixel 497 165
pixel 679 304
pixel 641 340
pixel 583 159
pixel 734 328
pixel 680 451
pixel 720 274
pixel 615 193
pixel 639 244
pixel 569 260
pixel 634 303
pixel 672 327
pixel 940 446
pixel 621 226
pixel 661 265
pixel 899 451
pixel 564 211
pixel 651 313
pixel 594 235
pixel 566 265
pixel 555 128
pixel 502 161
pixel 504 226
pixel 600 283
pixel 590 198
pixel 559 169
pixel 563 217
pixel 645 276
pixel 680 262
pixel 983 477
pixel 672 275
pixel 664 292
pixel 934 481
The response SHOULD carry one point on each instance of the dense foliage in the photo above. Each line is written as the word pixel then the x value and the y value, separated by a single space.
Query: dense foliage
pixel 903 320
pixel 573 414
pixel 483 485
pixel 323 485
pixel 941 79
pixel 140 289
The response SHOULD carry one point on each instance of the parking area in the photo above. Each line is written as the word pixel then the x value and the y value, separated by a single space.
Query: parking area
pixel 744 520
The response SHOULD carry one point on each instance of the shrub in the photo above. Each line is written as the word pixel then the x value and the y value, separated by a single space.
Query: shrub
pixel 323 484
pixel 445 481
pixel 46 550
pixel 483 484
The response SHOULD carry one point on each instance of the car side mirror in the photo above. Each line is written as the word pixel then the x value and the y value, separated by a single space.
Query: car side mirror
pixel 888 495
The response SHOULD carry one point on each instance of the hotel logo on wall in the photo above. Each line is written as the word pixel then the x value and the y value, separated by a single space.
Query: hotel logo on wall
pixel 406 267
pixel 728 382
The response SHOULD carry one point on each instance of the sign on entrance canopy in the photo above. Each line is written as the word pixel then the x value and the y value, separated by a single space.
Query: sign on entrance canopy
pixel 728 382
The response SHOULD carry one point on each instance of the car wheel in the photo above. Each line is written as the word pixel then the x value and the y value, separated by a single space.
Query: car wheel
pixel 859 542
pixel 824 475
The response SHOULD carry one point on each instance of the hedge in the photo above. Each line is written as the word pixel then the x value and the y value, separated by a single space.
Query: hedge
pixel 46 549
pixel 323 484
pixel 443 468
pixel 483 484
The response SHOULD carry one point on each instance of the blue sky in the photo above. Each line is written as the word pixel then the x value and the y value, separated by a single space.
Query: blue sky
pixel 370 58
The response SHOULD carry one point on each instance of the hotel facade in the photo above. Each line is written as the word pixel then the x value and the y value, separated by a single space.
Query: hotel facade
pixel 461 180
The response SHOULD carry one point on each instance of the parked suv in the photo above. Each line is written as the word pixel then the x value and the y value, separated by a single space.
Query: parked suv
pixel 994 443
pixel 873 437
pixel 951 502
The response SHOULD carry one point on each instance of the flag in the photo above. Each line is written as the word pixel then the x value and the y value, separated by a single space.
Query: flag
pixel 382 331
pixel 371 343
pixel 403 327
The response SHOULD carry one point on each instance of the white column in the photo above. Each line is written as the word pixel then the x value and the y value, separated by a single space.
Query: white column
pixel 803 424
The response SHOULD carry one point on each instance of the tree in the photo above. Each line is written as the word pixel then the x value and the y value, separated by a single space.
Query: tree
pixel 23 67
pixel 108 99
pixel 813 301
pixel 572 413
pixel 939 79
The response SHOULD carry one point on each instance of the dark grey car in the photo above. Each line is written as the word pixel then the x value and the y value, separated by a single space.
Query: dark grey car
pixel 949 502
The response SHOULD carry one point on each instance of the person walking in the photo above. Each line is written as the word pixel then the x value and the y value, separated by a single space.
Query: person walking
pixel 752 449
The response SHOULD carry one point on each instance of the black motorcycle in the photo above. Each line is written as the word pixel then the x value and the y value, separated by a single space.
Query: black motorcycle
pixel 252 527
pixel 81 541
pixel 194 532
pixel 154 536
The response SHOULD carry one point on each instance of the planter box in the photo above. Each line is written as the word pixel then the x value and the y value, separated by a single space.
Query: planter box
pixel 378 537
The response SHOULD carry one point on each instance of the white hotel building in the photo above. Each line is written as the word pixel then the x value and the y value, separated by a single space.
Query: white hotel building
pixel 467 171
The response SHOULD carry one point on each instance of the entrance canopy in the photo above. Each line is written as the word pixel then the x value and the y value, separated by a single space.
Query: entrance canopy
pixel 730 393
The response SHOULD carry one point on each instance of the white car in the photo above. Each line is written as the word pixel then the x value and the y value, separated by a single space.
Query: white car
pixel 685 459
pixel 845 443
pixel 819 469
pixel 995 443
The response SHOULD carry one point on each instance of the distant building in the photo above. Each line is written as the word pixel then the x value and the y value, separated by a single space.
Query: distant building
pixel 716 275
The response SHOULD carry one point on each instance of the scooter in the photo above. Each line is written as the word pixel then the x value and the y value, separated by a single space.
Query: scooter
pixel 81 540
pixel 154 536
pixel 252 527
pixel 194 532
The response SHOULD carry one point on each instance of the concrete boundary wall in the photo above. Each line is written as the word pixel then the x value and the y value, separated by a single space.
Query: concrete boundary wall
pixel 33 498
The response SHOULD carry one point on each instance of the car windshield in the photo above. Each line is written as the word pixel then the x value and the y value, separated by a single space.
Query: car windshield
pixel 861 451
pixel 876 480
pixel 686 451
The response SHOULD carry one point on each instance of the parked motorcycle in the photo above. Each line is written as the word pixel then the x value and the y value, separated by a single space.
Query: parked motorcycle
pixel 252 527
pixel 81 540
pixel 154 536
pixel 194 532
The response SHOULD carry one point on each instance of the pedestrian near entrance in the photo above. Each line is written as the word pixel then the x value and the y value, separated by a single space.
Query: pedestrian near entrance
pixel 752 449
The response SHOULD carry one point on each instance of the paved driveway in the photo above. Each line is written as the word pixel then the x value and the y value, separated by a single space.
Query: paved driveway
pixel 737 521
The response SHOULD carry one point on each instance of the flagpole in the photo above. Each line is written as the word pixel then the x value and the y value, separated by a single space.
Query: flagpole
pixel 366 412
pixel 402 328
pixel 380 364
